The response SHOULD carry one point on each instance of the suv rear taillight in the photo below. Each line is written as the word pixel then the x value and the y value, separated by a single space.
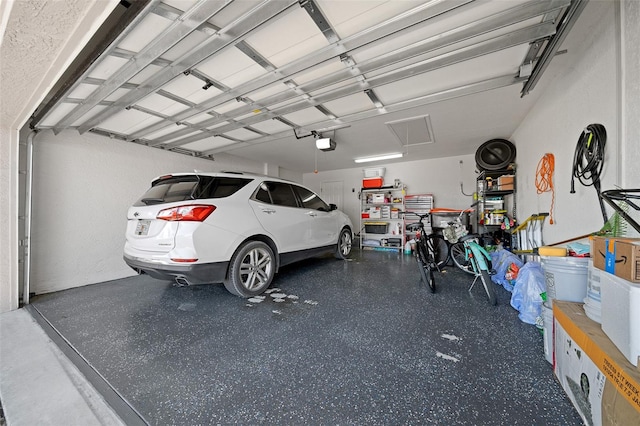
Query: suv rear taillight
pixel 193 213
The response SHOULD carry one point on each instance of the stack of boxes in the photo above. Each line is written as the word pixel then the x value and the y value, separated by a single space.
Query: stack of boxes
pixel 597 364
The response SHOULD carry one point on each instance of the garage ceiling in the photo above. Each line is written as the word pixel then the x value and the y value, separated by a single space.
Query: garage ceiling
pixel 262 79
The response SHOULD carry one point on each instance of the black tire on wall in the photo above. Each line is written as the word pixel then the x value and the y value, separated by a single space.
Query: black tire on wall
pixel 495 154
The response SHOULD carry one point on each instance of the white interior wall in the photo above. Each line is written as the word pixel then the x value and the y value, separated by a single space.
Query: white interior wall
pixel 593 83
pixel 440 177
pixel 587 92
pixel 630 90
pixel 82 188
pixel 38 43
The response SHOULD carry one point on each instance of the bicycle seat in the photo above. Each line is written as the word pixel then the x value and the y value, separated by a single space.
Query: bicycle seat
pixel 469 237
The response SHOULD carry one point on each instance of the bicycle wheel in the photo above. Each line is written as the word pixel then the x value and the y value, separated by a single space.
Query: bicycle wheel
pixel 432 281
pixel 426 273
pixel 422 266
pixel 460 258
pixel 488 287
pixel 440 249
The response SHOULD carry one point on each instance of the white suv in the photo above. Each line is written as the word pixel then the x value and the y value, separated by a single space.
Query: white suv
pixel 235 228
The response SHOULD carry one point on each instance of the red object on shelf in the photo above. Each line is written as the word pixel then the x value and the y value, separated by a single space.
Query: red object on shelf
pixel 372 182
pixel 365 215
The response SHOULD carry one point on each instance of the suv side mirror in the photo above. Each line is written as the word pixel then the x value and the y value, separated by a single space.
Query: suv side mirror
pixel 333 207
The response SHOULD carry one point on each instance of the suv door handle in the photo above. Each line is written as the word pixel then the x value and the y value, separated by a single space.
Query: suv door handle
pixel 312 213
pixel 269 211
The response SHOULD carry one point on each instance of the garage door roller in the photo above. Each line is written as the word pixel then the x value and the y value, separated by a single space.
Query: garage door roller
pixel 495 154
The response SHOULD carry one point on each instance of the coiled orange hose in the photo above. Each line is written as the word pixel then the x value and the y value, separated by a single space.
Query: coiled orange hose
pixel 544 179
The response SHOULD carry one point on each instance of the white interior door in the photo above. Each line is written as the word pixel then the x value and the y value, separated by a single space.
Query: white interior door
pixel 331 193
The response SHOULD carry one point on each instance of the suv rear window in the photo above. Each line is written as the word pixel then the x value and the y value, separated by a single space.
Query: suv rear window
pixel 190 187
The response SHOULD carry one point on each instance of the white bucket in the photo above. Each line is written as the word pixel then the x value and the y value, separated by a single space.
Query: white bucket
pixel 547 326
pixel 592 303
pixel 565 277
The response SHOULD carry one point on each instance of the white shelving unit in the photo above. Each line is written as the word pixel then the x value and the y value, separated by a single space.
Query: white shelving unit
pixel 381 219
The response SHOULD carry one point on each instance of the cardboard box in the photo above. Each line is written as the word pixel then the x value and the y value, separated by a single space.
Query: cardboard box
pixel 618 256
pixel 506 183
pixel 597 378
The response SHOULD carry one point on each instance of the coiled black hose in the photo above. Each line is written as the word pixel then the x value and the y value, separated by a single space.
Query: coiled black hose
pixel 588 160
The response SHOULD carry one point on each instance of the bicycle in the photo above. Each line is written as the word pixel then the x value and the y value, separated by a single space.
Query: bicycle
pixel 424 254
pixel 468 255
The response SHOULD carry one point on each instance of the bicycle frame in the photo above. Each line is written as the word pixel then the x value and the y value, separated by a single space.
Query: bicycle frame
pixel 480 261
pixel 424 256
pixel 477 252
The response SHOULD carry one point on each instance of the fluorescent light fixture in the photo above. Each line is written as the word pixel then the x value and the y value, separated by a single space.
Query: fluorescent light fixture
pixel 379 157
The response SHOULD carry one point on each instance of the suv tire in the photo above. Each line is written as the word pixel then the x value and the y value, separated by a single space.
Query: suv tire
pixel 345 243
pixel 251 269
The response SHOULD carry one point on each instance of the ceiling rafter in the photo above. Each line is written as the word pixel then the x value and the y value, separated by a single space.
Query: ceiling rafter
pixel 129 55
pixel 518 37
pixel 131 86
pixel 319 19
pixel 567 22
pixel 466 32
pixel 335 66
pixel 253 54
pixel 374 99
pixel 202 11
pixel 226 37
pixel 208 81
pixel 468 89
pixel 79 101
pixel 87 61
pixel 175 98
pixel 389 28
pixel 147 111
pixel 326 112
pixel 171 13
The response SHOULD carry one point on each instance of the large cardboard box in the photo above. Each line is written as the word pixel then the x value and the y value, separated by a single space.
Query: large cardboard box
pixel 603 386
pixel 618 256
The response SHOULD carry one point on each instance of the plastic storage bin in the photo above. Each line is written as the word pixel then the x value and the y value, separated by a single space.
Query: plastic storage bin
pixel 372 182
pixel 565 277
pixel 375 227
pixel 592 303
pixel 620 301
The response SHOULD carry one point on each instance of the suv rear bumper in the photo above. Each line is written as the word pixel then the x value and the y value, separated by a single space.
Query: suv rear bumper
pixel 201 273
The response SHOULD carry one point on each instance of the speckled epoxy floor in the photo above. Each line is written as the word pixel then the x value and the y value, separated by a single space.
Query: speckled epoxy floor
pixel 357 342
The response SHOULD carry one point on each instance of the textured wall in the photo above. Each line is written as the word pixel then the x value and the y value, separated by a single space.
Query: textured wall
pixel 83 186
pixel 584 91
pixel 36 33
pixel 39 40
pixel 631 93
pixel 440 177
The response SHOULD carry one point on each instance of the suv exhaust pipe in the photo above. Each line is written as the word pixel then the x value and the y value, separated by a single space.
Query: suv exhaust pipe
pixel 182 281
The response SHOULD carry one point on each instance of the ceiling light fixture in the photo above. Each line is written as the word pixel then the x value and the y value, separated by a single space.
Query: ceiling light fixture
pixel 379 157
